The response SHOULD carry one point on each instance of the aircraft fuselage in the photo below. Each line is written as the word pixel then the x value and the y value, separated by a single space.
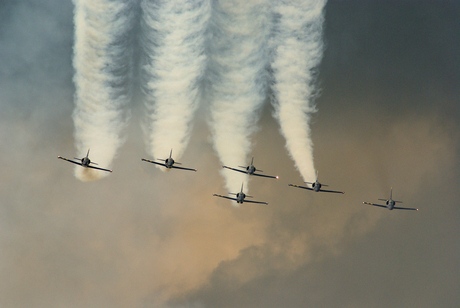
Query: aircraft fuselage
pixel 390 204
pixel 85 161
pixel 251 169
pixel 169 162
pixel 240 197
pixel 316 186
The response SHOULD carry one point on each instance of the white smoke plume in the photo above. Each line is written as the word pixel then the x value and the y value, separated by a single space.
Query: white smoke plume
pixel 237 80
pixel 297 50
pixel 101 62
pixel 173 41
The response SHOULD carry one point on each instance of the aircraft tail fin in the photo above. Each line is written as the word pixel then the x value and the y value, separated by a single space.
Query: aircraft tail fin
pixel 391 196
pixel 316 180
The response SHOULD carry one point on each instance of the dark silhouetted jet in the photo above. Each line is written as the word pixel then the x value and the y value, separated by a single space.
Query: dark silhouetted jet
pixel 240 197
pixel 316 186
pixel 390 203
pixel 84 162
pixel 168 163
pixel 251 170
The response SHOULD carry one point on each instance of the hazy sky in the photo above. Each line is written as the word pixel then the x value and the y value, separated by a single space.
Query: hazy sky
pixel 388 116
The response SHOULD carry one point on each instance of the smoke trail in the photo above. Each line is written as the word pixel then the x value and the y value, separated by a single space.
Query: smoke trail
pixel 297 51
pixel 174 64
pixel 102 65
pixel 237 79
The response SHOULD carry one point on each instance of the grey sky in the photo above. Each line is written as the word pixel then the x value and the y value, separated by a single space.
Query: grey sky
pixel 388 117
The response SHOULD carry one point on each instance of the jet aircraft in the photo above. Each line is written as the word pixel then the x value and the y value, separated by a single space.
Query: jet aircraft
pixel 240 197
pixel 251 170
pixel 168 163
pixel 316 186
pixel 390 203
pixel 84 162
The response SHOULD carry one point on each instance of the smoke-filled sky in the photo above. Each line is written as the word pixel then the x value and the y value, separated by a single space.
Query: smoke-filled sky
pixel 388 116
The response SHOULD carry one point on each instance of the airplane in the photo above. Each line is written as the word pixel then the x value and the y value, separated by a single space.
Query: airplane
pixel 316 186
pixel 251 170
pixel 390 203
pixel 168 163
pixel 240 197
pixel 85 162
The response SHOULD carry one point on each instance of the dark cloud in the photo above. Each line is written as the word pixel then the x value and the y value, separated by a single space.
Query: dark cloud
pixel 388 116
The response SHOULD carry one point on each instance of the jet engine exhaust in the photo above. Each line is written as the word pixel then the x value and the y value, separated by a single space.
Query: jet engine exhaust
pixel 297 50
pixel 102 65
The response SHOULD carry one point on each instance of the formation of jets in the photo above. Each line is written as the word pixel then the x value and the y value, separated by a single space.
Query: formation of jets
pixel 240 197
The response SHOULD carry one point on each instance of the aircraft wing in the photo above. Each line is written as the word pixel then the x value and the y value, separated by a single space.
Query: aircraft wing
pixel 300 186
pixel 92 167
pixel 251 201
pixel 404 208
pixel 375 204
pixel 75 162
pixel 153 162
pixel 225 197
pixel 235 169
pixel 331 191
pixel 267 176
pixel 183 168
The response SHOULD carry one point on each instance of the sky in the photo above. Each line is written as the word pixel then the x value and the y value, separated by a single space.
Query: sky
pixel 388 116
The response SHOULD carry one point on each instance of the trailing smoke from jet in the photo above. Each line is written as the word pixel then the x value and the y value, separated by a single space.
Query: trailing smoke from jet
pixel 237 80
pixel 174 61
pixel 102 65
pixel 297 50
